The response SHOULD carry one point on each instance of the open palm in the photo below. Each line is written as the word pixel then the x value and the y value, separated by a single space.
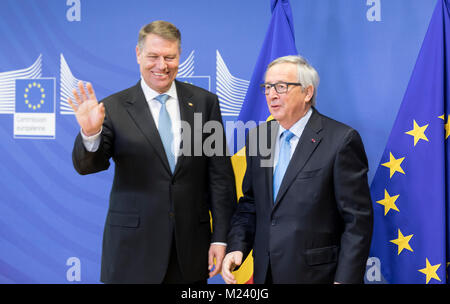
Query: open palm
pixel 89 113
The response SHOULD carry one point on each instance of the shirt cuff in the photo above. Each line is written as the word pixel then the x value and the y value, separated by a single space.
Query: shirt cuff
pixel 91 143
pixel 219 243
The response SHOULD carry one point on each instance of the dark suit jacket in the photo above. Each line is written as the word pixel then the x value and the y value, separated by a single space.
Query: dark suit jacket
pixel 320 227
pixel 148 204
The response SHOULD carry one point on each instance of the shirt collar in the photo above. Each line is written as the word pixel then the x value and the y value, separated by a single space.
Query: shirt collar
pixel 299 126
pixel 150 94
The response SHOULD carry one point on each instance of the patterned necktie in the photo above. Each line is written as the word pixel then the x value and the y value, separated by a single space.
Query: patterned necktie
pixel 284 156
pixel 165 130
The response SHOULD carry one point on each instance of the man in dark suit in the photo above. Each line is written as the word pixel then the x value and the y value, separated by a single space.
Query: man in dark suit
pixel 158 224
pixel 306 210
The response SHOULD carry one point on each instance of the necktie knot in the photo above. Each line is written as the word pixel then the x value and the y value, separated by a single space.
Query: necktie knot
pixel 287 135
pixel 162 98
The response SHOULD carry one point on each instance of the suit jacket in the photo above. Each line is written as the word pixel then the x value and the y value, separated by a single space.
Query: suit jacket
pixel 149 206
pixel 319 228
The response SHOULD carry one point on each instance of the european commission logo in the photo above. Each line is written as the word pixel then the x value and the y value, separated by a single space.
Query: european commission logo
pixel 33 101
pixel 34 115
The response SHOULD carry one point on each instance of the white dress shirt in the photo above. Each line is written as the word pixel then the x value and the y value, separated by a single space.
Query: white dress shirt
pixel 297 129
pixel 173 109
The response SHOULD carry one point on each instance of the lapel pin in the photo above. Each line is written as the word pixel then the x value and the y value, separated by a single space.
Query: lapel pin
pixel 190 104
pixel 313 140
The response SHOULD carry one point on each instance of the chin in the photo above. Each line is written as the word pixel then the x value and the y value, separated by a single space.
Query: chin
pixel 162 87
pixel 276 116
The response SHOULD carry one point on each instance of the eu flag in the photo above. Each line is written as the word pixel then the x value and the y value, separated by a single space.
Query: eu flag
pixel 35 95
pixel 410 190
pixel 279 41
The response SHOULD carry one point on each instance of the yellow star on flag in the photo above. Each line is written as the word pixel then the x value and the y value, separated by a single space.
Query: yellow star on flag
pixel 394 165
pixel 446 126
pixel 388 202
pixel 447 129
pixel 448 263
pixel 430 271
pixel 418 132
pixel 402 242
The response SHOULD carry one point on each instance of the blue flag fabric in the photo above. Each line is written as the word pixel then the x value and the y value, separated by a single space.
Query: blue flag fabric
pixel 279 41
pixel 410 190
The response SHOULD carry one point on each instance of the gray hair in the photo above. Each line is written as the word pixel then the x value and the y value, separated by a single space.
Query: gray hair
pixel 162 29
pixel 307 75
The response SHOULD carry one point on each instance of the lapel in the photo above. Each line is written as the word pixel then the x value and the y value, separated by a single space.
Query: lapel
pixel 139 111
pixel 187 106
pixel 307 144
pixel 272 128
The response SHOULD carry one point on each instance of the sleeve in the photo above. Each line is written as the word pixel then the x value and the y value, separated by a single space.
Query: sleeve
pixel 86 162
pixel 91 143
pixel 355 206
pixel 243 223
pixel 221 187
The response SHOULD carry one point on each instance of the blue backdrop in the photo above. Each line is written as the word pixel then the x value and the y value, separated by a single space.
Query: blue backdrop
pixel 51 219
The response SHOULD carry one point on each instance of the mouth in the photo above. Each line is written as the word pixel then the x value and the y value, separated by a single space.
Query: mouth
pixel 159 74
pixel 275 107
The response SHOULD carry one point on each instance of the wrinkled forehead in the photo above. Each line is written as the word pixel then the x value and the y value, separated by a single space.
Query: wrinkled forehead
pixel 285 71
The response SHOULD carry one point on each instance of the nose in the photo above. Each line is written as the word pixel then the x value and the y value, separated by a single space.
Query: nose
pixel 272 94
pixel 161 63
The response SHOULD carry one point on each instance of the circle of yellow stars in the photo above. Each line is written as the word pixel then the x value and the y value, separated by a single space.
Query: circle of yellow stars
pixel 389 201
pixel 33 86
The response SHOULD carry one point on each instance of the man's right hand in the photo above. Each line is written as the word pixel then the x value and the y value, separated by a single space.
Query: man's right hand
pixel 229 263
pixel 89 113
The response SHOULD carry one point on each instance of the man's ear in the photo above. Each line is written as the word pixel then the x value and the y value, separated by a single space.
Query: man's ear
pixel 309 93
pixel 138 54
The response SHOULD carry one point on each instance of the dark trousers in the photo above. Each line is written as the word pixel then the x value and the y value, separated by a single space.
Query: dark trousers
pixel 174 274
pixel 269 279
